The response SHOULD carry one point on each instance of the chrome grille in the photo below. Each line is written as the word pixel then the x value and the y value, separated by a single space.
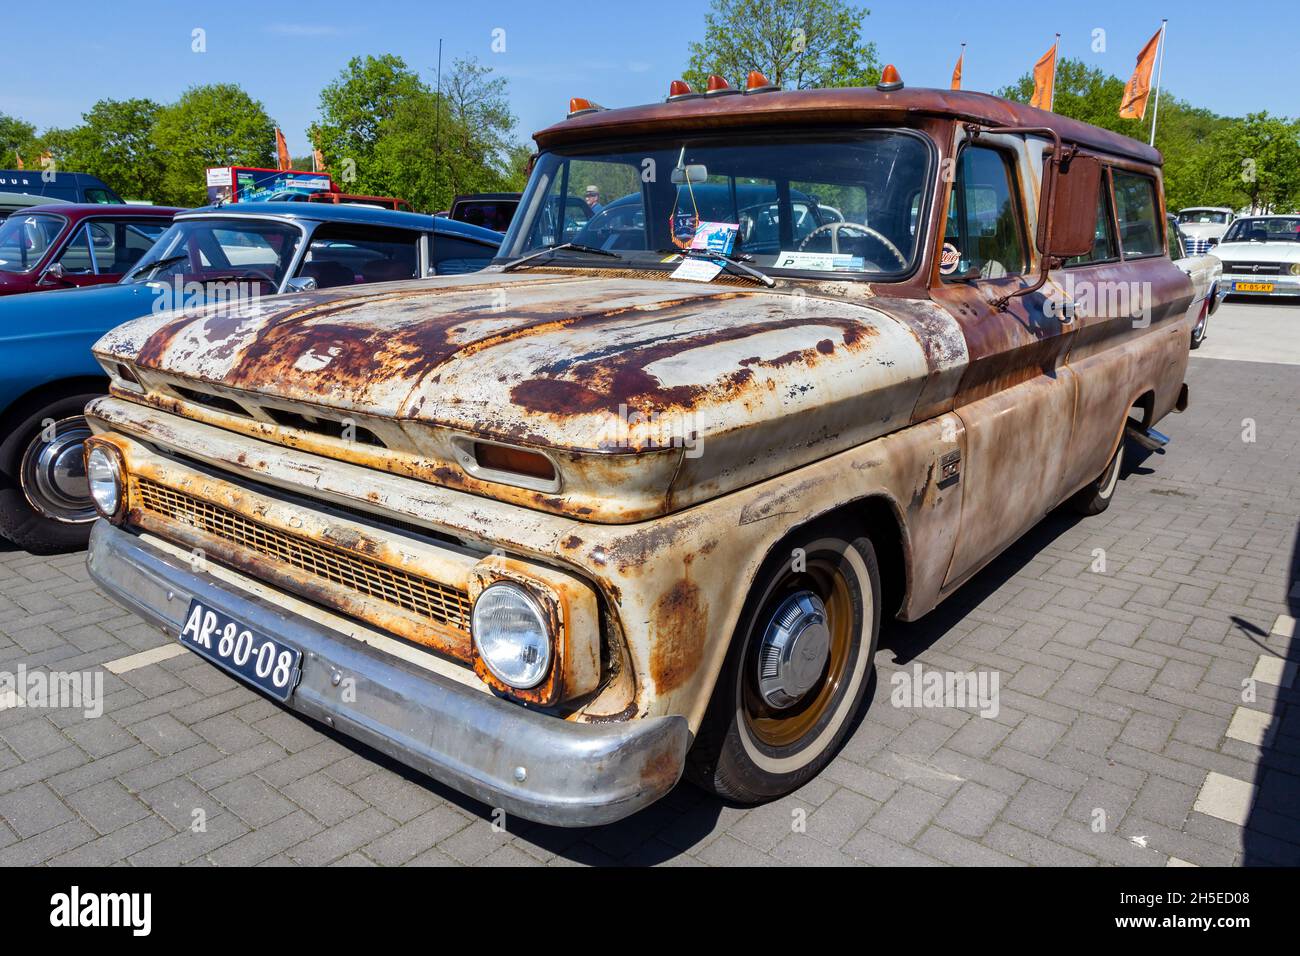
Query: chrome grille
pixel 431 600
pixel 1253 268
pixel 1197 247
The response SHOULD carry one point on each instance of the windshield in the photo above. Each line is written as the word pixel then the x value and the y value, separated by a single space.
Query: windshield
pixel 1279 229
pixel 1208 216
pixel 24 240
pixel 201 250
pixel 849 203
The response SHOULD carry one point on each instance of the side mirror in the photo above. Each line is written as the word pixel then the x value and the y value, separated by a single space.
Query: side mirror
pixel 1067 220
pixel 301 284
pixel 54 274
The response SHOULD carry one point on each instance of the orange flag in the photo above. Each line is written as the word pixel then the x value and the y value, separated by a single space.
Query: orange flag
pixel 18 156
pixel 1045 78
pixel 282 150
pixel 1138 89
pixel 956 71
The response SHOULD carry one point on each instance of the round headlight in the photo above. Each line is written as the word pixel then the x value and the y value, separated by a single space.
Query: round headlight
pixel 1295 268
pixel 104 480
pixel 511 635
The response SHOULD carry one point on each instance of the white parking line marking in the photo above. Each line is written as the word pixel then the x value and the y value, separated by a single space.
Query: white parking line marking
pixel 1226 798
pixel 143 659
pixel 1274 670
pixel 1175 861
pixel 1284 626
pixel 1251 726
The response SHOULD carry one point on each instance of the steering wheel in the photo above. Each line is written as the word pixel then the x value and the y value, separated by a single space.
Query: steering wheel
pixel 834 229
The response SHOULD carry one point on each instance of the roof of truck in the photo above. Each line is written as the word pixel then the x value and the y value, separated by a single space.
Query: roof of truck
pixel 839 105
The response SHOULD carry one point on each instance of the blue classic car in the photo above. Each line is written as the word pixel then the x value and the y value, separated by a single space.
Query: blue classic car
pixel 216 254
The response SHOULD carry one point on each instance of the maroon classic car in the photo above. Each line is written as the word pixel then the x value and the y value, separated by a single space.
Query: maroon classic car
pixel 59 246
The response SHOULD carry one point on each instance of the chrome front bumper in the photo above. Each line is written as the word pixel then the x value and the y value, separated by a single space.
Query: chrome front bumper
pixel 1282 285
pixel 537 766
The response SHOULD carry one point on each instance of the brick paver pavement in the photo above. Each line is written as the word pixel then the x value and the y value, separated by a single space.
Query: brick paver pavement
pixel 1125 733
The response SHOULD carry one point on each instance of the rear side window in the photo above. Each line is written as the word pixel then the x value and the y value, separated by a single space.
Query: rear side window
pixel 984 238
pixel 1136 209
pixel 452 256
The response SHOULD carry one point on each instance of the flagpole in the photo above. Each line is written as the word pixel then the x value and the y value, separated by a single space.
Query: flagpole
pixel 1160 69
pixel 1056 55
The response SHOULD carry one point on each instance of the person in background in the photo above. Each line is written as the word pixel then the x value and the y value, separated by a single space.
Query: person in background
pixel 593 199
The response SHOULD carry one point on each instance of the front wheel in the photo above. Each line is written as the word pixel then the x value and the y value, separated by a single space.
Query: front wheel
pixel 45 504
pixel 796 673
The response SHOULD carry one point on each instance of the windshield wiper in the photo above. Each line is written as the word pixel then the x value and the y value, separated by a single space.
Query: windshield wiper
pixel 552 249
pixel 158 263
pixel 737 263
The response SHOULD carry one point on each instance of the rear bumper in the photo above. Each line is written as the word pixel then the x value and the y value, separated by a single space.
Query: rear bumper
pixel 573 774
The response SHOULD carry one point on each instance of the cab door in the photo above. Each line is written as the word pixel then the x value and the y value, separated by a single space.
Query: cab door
pixel 1016 399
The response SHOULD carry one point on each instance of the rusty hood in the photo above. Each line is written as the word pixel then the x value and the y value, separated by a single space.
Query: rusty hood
pixel 722 384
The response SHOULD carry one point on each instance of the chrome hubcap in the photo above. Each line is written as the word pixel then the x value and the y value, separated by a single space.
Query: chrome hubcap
pixel 794 650
pixel 54 472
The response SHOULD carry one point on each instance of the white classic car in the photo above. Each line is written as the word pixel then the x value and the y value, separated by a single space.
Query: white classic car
pixel 1206 273
pixel 1261 256
pixel 1203 227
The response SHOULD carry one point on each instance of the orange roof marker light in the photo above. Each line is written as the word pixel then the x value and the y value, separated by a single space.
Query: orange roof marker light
pixel 889 80
pixel 756 82
pixel 680 90
pixel 579 105
pixel 718 86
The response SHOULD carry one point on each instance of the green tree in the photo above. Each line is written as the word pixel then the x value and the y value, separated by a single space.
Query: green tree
pixel 16 138
pixel 1255 163
pixel 797 44
pixel 354 109
pixel 214 125
pixel 115 142
pixel 384 131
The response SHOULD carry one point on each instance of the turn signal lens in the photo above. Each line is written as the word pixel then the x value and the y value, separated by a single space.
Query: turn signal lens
pixel 680 90
pixel 515 460
pixel 579 105
pixel 756 82
pixel 889 79
pixel 718 86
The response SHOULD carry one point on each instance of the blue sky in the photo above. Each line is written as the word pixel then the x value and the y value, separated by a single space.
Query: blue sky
pixel 1233 57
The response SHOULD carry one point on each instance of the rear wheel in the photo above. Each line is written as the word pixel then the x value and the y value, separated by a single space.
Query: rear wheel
pixel 796 673
pixel 45 504
pixel 1095 497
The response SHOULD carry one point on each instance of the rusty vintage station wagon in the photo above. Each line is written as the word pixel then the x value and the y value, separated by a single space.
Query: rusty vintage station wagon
pixel 634 500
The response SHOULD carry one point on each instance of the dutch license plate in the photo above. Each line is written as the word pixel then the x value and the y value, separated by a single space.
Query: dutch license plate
pixel 259 660
pixel 1253 287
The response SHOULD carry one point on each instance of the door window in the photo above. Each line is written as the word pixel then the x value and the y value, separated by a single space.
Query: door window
pixel 77 258
pixel 985 237
pixel 349 255
pixel 1103 243
pixel 1136 207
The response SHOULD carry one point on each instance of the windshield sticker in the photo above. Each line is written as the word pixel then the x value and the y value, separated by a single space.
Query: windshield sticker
pixel 716 237
pixel 819 261
pixel 949 259
pixel 697 270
